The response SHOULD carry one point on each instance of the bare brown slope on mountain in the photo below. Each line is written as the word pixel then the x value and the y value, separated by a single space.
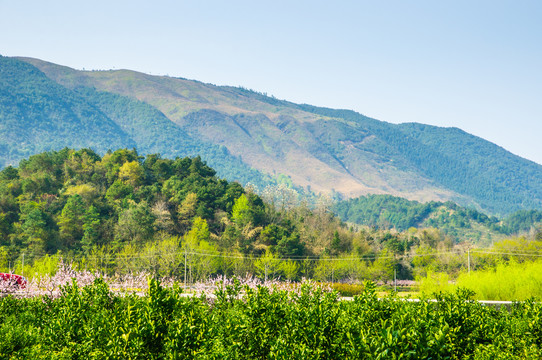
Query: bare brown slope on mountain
pixel 316 151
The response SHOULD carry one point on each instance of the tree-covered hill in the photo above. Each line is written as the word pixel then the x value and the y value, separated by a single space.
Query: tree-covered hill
pixel 387 212
pixel 251 137
pixel 122 212
pixel 77 201
pixel 37 114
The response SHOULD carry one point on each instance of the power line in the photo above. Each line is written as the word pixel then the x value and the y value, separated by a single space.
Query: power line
pixel 216 254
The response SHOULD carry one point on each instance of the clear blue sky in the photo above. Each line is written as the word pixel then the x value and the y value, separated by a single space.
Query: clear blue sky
pixel 476 65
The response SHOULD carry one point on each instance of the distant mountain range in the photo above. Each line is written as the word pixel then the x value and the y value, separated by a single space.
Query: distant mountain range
pixel 250 137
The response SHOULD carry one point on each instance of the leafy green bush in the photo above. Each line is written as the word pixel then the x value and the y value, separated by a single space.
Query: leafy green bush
pixel 263 323
pixel 347 289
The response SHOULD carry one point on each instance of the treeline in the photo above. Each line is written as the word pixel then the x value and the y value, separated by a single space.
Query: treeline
pixel 123 212
pixel 387 212
pixel 122 208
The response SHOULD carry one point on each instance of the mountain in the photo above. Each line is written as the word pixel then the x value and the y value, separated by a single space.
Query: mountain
pixel 249 136
pixel 38 114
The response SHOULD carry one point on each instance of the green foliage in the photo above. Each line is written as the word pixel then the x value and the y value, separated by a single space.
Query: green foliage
pixel 387 212
pixel 123 208
pixel 522 221
pixel 507 281
pixel 39 114
pixel 70 222
pixel 349 290
pixel 433 283
pixel 179 117
pixel 92 322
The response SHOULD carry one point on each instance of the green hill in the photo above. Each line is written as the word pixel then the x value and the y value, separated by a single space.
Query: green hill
pixel 37 114
pixel 251 137
pixel 390 212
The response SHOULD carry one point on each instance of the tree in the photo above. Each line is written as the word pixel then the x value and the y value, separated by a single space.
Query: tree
pixel 241 214
pixel 290 246
pixel 131 173
pixel 187 210
pixel 91 229
pixel 267 265
pixel 70 222
pixel 135 224
pixel 382 267
pixel 290 269
pixel 35 231
pixel 336 243
pixel 247 209
pixel 199 232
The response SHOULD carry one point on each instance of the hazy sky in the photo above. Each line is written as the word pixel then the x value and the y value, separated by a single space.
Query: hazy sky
pixel 476 65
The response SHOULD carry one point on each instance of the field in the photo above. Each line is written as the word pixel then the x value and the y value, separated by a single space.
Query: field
pixel 297 321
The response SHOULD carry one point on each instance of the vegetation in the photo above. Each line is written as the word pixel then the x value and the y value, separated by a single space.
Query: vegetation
pixel 117 212
pixel 123 212
pixel 37 114
pixel 387 212
pixel 91 322
pixel 510 270
pixel 450 157
pixel 244 134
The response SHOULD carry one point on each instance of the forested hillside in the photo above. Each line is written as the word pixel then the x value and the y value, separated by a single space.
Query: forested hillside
pixel 454 159
pixel 123 205
pixel 250 137
pixel 390 212
pixel 76 202
pixel 123 212
pixel 37 114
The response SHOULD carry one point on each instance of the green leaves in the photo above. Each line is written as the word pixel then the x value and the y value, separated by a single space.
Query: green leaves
pixel 263 323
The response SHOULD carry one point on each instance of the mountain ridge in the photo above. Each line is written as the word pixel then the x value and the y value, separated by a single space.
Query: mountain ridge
pixel 320 149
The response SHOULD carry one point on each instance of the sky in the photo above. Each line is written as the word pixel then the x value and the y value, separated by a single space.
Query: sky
pixel 476 65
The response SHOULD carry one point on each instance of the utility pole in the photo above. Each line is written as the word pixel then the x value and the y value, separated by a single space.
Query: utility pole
pixel 468 258
pixel 395 279
pixel 185 267
pixel 22 270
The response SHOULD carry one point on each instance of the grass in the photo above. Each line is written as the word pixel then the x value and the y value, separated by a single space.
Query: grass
pixel 510 281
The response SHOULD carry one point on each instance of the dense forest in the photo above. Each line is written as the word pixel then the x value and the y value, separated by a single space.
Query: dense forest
pixel 124 212
pixel 387 212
